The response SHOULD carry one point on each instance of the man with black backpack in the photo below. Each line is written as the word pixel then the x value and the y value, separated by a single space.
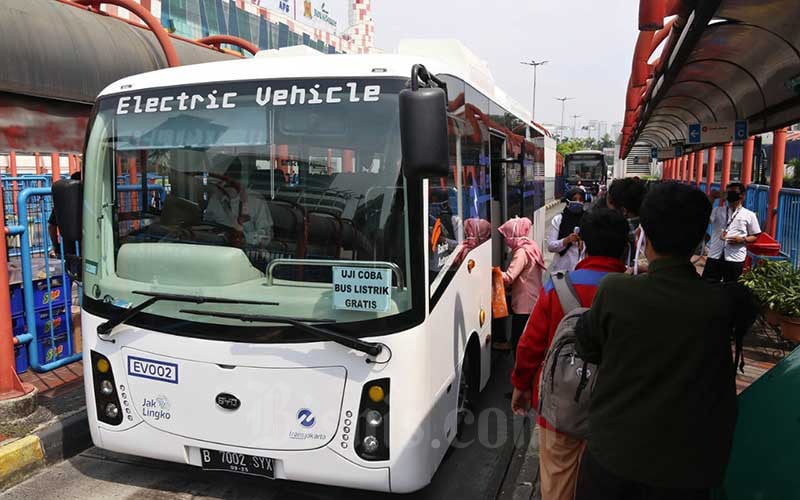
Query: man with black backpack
pixel 663 410
pixel 604 233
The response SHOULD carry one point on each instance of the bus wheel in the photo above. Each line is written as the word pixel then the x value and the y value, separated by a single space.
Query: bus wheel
pixel 467 392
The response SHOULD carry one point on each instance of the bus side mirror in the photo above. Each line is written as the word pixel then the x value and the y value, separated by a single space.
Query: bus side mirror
pixel 68 206
pixel 423 132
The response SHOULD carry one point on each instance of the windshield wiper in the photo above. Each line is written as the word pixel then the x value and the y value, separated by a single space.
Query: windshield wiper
pixel 370 348
pixel 105 328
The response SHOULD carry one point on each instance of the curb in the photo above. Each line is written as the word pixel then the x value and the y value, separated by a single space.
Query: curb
pixel 19 459
pixel 60 440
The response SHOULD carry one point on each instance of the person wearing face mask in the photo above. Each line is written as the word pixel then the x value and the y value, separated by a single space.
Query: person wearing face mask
pixel 562 239
pixel 732 228
pixel 626 196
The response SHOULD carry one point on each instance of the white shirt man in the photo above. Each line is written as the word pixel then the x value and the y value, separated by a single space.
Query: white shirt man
pixel 567 241
pixel 732 228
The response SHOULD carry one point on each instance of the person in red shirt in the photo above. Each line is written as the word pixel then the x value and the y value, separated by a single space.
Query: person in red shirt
pixel 605 235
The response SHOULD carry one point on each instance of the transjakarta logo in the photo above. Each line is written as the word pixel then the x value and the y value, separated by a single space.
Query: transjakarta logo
pixel 264 96
pixel 153 370
pixel 306 418
pixel 157 408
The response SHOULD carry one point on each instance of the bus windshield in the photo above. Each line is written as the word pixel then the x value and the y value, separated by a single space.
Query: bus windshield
pixel 251 191
pixel 587 167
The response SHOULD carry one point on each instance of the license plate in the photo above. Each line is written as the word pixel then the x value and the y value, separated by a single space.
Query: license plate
pixel 238 462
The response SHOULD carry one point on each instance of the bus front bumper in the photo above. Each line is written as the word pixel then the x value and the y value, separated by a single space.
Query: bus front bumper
pixel 321 465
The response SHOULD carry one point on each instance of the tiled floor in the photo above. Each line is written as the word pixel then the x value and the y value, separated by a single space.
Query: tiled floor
pixel 51 384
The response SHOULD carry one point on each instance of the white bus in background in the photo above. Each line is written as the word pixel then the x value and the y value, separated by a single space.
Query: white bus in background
pixel 287 260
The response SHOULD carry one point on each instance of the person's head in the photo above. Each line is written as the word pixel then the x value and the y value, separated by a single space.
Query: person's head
pixel 674 218
pixel 626 195
pixel 575 198
pixel 515 231
pixel 713 195
pixel 75 176
pixel 734 193
pixel 605 233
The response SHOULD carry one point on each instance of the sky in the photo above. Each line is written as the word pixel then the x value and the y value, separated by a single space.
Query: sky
pixel 589 44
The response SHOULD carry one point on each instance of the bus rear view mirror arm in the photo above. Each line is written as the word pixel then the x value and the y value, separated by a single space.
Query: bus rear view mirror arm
pixel 423 127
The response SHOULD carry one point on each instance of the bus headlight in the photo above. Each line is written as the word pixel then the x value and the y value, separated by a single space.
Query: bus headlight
pixel 373 418
pixel 112 411
pixel 105 391
pixel 372 428
pixel 370 444
pixel 106 388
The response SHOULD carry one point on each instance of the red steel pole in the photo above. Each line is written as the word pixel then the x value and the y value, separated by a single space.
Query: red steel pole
pixel 12 165
pixel 55 166
pixel 690 166
pixel 684 167
pixel 38 160
pixel 747 161
pixel 727 155
pixel 712 166
pixel 776 179
pixel 10 385
pixel 698 169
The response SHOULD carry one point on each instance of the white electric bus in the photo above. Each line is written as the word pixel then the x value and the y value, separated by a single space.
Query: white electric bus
pixel 286 260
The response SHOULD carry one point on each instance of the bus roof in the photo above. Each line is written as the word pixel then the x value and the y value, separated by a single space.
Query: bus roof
pixel 587 152
pixel 439 57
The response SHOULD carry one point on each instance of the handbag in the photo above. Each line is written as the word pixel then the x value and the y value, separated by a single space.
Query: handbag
pixel 499 305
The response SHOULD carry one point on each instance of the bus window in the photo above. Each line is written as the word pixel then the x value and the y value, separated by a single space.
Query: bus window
pixel 249 181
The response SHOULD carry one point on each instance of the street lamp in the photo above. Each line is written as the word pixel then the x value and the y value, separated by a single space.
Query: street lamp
pixel 563 102
pixel 535 65
pixel 574 124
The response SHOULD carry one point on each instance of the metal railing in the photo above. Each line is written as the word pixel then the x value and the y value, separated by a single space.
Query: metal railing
pixel 788 224
pixel 47 331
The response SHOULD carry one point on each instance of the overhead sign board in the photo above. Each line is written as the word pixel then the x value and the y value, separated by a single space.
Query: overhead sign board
pixel 675 151
pixel 717 132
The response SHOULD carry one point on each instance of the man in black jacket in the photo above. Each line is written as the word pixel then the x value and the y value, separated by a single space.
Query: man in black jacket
pixel 663 408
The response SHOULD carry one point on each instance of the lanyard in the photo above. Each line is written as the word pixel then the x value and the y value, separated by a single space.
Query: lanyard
pixel 731 219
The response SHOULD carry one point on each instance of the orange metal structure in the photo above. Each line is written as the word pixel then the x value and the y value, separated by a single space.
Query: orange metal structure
pixel 217 40
pixel 727 156
pixel 712 167
pixel 776 179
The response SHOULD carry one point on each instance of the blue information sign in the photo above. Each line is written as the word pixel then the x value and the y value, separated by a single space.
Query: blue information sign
pixel 740 130
pixel 694 133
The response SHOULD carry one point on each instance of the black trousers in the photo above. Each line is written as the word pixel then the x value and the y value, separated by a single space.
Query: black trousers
pixel 597 483
pixel 518 322
pixel 717 270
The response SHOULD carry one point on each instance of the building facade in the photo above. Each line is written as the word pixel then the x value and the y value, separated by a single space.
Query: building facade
pixel 268 24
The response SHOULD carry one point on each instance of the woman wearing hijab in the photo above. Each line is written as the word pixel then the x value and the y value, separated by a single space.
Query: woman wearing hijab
pixel 561 236
pixel 524 274
pixel 476 231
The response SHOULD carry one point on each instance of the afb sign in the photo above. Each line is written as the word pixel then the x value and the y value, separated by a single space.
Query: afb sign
pixel 717 132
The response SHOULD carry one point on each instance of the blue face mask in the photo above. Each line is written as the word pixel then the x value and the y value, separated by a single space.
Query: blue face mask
pixel 575 207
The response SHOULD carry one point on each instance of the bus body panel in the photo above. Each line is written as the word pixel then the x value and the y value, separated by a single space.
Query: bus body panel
pixel 412 410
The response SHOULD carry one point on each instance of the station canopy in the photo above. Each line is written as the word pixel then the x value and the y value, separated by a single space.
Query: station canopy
pixel 721 61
